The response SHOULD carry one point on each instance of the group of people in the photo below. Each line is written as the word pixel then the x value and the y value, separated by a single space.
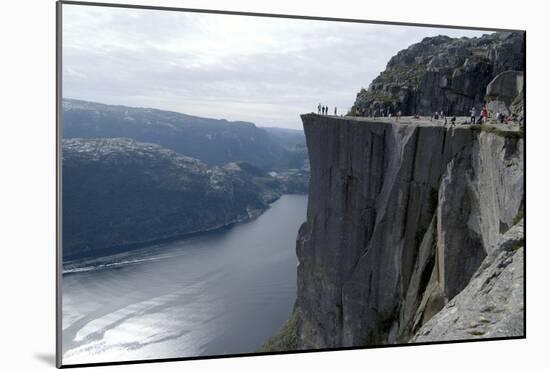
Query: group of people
pixel 483 115
pixel 375 113
pixel 323 110
pixel 475 117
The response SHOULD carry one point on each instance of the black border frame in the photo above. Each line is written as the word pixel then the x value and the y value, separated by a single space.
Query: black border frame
pixel 58 130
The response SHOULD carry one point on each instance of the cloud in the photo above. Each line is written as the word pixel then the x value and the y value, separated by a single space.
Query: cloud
pixel 263 70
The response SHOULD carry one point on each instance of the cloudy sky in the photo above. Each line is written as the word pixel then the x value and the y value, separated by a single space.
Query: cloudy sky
pixel 262 70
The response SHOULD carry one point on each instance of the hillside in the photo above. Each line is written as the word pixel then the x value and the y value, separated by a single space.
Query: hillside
pixel 120 193
pixel 213 141
pixel 442 74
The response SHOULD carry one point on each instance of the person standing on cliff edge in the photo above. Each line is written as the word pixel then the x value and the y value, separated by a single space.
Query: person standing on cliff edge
pixel 473 115
pixel 319 109
pixel 335 111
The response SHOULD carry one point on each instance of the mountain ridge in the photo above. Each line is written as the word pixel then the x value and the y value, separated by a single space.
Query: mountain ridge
pixel 214 141
pixel 442 74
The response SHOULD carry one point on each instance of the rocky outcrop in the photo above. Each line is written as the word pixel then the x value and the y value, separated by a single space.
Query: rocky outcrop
pixel 119 193
pixel 442 74
pixel 400 217
pixel 492 304
pixel 505 94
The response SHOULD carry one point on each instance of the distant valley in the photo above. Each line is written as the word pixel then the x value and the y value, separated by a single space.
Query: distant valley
pixel 213 141
pixel 129 178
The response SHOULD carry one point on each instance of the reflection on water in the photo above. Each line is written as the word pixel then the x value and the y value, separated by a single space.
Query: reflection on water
pixel 222 293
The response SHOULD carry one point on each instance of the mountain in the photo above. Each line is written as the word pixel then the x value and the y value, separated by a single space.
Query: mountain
pixel 294 143
pixel 120 193
pixel 442 74
pixel 213 141
pixel 415 234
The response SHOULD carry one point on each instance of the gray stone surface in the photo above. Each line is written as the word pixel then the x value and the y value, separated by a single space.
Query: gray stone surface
pixel 492 303
pixel 503 91
pixel 400 217
pixel 443 74
pixel 506 86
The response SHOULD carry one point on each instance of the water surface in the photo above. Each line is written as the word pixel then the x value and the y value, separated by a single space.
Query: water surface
pixel 222 293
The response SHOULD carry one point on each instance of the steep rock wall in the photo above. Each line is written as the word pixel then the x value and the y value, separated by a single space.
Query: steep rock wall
pixel 442 74
pixel 492 303
pixel 399 219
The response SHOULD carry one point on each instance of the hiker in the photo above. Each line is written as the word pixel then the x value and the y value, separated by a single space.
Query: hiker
pixel 335 111
pixel 485 114
pixel 319 108
pixel 473 115
pixel 480 118
pixel 453 120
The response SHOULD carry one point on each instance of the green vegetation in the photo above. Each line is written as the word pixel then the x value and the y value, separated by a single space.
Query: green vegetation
pixel 519 216
pixel 409 75
pixel 285 339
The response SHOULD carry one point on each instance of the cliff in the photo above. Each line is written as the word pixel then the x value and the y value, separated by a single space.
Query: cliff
pixel 401 219
pixel 443 74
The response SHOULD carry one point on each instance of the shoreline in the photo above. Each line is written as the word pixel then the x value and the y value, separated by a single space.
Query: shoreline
pixel 90 255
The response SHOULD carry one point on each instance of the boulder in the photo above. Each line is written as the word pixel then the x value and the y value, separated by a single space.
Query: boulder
pixel 503 90
pixel 492 304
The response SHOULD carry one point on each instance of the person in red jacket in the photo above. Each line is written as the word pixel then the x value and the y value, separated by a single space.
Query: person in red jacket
pixel 485 114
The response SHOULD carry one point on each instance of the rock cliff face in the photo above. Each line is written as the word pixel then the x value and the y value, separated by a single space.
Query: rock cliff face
pixel 505 94
pixel 443 74
pixel 492 303
pixel 400 218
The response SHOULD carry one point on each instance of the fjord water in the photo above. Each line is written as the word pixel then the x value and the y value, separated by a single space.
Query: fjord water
pixel 221 293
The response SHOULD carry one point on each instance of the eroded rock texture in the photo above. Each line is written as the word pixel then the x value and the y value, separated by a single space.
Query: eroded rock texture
pixel 505 93
pixel 442 74
pixel 492 303
pixel 400 218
